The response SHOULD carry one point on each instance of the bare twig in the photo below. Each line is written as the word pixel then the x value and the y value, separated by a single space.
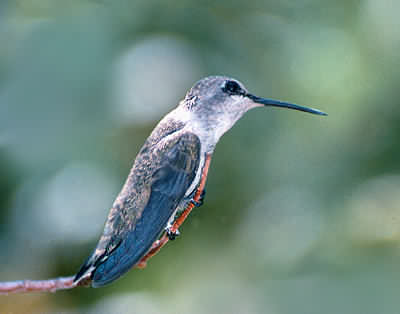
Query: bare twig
pixel 50 285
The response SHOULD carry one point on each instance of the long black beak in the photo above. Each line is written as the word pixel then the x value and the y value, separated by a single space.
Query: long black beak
pixel 282 104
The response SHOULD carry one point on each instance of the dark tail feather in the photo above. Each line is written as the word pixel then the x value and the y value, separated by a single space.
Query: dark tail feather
pixel 122 259
pixel 83 271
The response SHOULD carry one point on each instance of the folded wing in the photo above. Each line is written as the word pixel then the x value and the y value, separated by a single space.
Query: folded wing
pixel 157 184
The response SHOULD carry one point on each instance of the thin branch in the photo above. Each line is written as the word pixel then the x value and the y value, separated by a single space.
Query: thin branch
pixel 49 285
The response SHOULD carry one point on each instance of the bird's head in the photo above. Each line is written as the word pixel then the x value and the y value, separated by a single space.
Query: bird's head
pixel 217 102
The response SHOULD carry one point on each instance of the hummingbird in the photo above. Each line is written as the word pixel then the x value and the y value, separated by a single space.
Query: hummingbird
pixel 168 171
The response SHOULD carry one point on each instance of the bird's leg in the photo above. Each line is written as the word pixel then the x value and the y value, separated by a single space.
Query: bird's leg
pixel 157 245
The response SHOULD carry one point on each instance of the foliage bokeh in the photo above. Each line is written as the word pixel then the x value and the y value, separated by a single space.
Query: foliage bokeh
pixel 301 213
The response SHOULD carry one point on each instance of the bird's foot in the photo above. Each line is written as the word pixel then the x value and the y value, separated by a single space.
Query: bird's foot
pixel 200 201
pixel 197 203
pixel 172 234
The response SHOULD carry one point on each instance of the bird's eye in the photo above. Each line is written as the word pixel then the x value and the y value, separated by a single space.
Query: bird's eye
pixel 232 87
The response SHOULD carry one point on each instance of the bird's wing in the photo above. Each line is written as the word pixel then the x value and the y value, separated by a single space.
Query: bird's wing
pixel 157 184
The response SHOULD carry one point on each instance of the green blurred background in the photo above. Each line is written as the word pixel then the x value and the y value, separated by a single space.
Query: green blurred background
pixel 302 213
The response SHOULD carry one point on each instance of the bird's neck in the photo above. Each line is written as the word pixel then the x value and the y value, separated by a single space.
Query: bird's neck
pixel 209 128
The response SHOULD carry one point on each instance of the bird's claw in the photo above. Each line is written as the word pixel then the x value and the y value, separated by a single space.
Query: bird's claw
pixel 172 234
pixel 200 201
pixel 197 203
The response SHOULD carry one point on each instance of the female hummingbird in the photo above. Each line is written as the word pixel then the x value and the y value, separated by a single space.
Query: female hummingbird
pixel 167 173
